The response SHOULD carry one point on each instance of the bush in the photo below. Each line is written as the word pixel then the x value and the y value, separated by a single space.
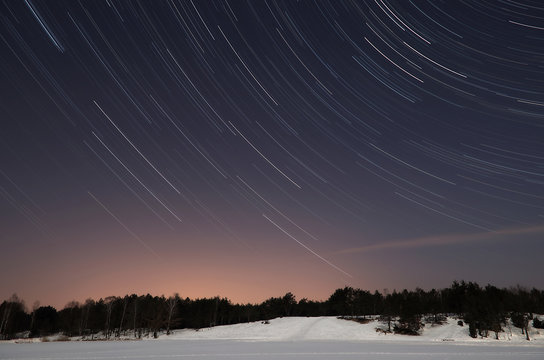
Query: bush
pixel 383 331
pixel 408 326
pixel 539 324
pixel 406 330
pixel 473 332
pixel 519 320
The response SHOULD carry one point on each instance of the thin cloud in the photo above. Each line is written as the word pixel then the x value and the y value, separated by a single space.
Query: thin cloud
pixel 443 240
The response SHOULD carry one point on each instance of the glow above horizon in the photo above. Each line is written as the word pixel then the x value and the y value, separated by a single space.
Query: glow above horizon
pixel 250 149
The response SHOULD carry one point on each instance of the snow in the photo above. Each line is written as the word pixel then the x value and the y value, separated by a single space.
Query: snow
pixel 284 350
pixel 295 338
pixel 331 328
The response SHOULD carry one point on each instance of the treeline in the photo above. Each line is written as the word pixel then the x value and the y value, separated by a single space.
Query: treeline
pixel 484 309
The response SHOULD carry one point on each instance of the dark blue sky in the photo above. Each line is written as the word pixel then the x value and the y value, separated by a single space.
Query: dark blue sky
pixel 247 149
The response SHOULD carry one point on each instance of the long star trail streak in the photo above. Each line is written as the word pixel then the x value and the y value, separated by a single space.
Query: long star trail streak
pixel 526 25
pixel 434 62
pixel 29 215
pixel 411 166
pixel 187 138
pixel 264 157
pixel 143 243
pixel 194 87
pixel 392 62
pixel 129 188
pixel 443 213
pixel 307 248
pixel 275 209
pixel 137 179
pixel 245 66
pixel 349 124
pixel 44 26
pixel 305 67
pixel 135 148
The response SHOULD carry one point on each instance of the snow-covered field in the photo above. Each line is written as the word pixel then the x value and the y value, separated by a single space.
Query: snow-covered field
pixel 285 350
pixel 294 338
pixel 333 329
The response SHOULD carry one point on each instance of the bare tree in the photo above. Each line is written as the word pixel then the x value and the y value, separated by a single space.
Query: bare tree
pixel 6 314
pixel 35 307
pixel 5 318
pixel 172 302
pixel 84 323
pixel 109 305
pixel 135 313
pixel 125 301
pixel 525 326
pixel 73 306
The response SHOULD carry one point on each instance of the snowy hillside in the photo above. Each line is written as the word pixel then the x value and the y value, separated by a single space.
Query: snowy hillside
pixel 331 328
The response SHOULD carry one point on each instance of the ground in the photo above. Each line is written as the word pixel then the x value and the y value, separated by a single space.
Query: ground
pixel 293 339
pixel 284 350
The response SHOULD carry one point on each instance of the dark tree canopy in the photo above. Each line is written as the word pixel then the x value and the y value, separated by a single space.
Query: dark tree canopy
pixel 484 309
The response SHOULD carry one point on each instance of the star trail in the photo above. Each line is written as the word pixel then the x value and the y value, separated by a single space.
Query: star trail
pixel 247 149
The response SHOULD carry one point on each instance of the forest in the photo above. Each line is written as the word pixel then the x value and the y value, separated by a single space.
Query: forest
pixel 484 310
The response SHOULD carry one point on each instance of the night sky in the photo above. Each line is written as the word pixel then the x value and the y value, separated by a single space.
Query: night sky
pixel 247 149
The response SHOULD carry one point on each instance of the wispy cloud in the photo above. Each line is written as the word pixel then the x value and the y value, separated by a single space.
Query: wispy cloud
pixel 441 240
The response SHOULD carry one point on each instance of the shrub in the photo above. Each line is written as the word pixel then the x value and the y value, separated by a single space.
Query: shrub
pixel 519 320
pixel 383 331
pixel 472 330
pixel 409 326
